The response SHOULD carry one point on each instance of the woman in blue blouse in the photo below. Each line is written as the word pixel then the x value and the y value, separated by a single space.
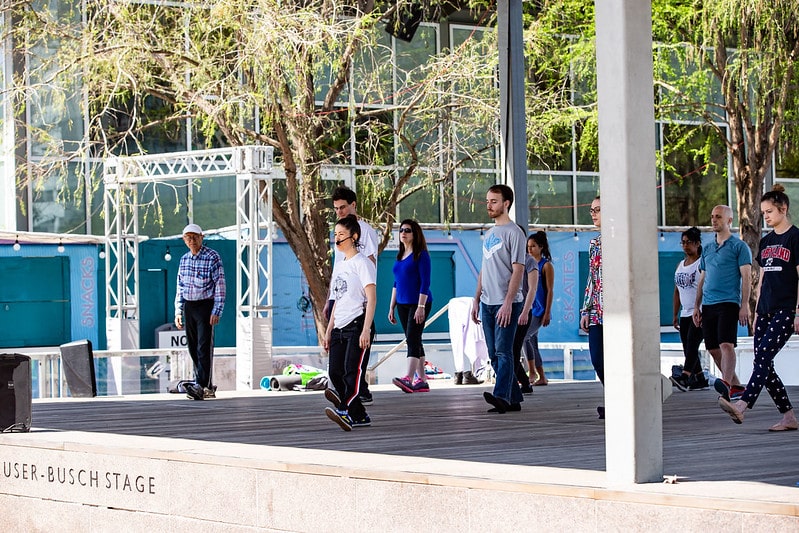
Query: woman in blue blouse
pixel 412 299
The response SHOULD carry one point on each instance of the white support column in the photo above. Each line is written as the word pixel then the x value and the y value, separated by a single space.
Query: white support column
pixel 633 428
pixel 513 129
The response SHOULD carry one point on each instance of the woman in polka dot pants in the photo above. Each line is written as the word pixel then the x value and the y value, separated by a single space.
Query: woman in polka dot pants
pixel 777 317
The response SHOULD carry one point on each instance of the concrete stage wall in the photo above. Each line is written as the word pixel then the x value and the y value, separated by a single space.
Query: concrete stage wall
pixel 73 481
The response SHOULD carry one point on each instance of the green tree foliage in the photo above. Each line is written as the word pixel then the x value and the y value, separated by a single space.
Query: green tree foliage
pixel 729 65
pixel 744 51
pixel 302 76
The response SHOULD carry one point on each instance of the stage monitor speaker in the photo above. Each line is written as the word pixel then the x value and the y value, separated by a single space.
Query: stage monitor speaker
pixel 405 22
pixel 16 393
pixel 78 362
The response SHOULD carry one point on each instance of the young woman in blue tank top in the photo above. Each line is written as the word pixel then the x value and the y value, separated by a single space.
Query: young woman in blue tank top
pixel 776 313
pixel 538 247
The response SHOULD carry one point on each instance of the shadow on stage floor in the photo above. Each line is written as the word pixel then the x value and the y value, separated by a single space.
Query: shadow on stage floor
pixel 557 427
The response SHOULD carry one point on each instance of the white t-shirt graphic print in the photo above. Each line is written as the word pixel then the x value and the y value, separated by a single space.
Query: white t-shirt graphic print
pixel 347 288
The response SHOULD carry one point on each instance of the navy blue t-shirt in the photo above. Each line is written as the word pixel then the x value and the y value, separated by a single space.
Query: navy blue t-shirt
pixel 778 257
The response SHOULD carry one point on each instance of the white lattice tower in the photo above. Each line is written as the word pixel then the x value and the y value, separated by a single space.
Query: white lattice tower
pixel 252 168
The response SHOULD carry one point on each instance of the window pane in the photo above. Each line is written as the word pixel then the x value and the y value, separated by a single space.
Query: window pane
pixel 162 134
pixel 58 202
pixel 374 139
pixel 55 116
pixel 373 187
pixel 550 198
pixel 560 156
pixel 587 190
pixel 474 136
pixel 416 53
pixel 471 198
pixel 214 202
pixel 97 198
pixel 372 74
pixel 695 174
pixel 792 190
pixel 423 205
pixel 162 208
pixel 696 83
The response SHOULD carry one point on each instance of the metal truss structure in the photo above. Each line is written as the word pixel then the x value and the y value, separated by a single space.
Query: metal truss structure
pixel 252 168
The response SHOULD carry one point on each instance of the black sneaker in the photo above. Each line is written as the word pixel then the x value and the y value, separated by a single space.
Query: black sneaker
pixel 366 400
pixel 342 418
pixel 332 397
pixel 722 388
pixel 736 392
pixel 600 411
pixel 512 408
pixel 698 382
pixel 363 422
pixel 499 404
pixel 194 391
pixel 404 383
pixel 527 390
pixel 421 386
pixel 681 382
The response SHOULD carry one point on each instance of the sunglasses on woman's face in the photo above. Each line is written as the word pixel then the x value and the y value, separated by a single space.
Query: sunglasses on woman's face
pixel 405 230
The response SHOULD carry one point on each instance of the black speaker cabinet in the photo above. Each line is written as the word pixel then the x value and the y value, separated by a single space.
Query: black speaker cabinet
pixel 405 22
pixel 15 392
pixel 78 362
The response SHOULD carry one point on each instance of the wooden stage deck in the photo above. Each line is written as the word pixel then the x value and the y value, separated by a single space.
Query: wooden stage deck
pixel 557 427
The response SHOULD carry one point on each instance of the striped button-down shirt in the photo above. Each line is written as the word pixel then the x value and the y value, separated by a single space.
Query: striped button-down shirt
pixel 201 277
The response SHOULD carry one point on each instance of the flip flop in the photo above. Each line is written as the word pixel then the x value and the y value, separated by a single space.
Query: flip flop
pixel 781 427
pixel 727 407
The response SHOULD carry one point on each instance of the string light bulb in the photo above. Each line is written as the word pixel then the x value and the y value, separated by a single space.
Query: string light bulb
pixel 167 255
pixel 575 236
pixel 482 233
pixel 60 247
pixel 662 237
pixel 16 246
pixel 102 251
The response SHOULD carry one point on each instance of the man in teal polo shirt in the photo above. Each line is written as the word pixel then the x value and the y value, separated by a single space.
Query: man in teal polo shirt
pixel 722 300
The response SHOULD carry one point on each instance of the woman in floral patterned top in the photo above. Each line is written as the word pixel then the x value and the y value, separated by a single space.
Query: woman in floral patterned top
pixel 591 313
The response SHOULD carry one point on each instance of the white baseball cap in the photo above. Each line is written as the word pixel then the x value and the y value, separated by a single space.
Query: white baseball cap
pixel 193 228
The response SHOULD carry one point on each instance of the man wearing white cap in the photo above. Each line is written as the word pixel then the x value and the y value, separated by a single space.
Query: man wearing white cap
pixel 199 302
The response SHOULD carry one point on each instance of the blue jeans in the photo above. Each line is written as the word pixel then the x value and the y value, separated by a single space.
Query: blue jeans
pixel 499 341
pixel 596 346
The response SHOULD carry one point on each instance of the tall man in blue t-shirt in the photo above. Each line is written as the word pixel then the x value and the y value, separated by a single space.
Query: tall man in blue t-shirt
pixel 499 297
pixel 722 297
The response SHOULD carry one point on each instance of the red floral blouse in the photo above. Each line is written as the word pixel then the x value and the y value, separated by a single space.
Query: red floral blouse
pixel 592 303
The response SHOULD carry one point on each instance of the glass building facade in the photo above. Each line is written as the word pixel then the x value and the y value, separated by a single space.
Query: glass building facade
pixel 68 199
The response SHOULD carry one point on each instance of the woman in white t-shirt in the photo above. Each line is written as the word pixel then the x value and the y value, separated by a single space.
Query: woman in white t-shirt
pixel 686 279
pixel 348 333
